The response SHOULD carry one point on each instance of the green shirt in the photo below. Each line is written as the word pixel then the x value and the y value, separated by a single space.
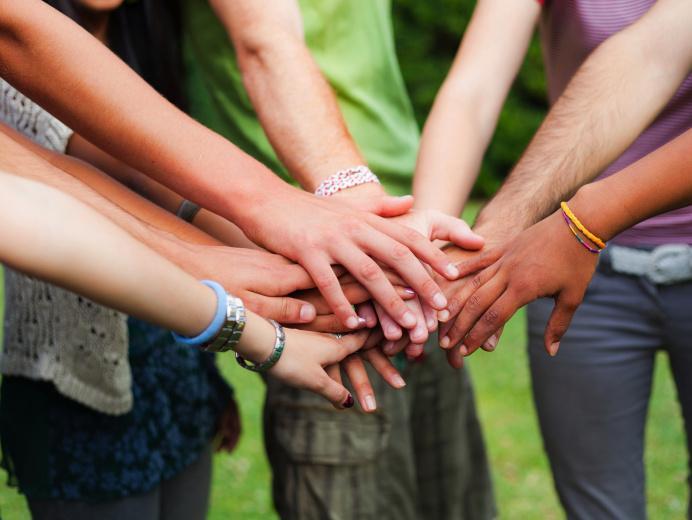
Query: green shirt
pixel 352 42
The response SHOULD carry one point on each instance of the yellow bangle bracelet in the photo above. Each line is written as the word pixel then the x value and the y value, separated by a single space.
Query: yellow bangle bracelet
pixel 588 234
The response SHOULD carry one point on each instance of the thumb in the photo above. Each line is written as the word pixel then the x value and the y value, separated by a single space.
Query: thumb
pixel 454 230
pixel 280 308
pixel 559 321
pixel 332 391
pixel 388 206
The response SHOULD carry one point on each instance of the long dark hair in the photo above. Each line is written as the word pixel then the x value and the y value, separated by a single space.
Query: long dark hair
pixel 146 35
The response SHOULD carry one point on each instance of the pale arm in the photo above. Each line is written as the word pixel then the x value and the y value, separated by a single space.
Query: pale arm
pixel 52 236
pixel 464 115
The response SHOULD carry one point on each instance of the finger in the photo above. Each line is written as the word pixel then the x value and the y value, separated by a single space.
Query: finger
pixel 355 294
pixel 414 350
pixel 360 382
pixel 491 321
pixel 334 371
pixel 399 257
pixel 392 348
pixel 393 277
pixel 455 358
pixel 366 311
pixel 280 308
pixel 328 284
pixel 390 328
pixel 560 318
pixel 287 279
pixel 473 309
pixel 422 248
pixel 370 275
pixel 384 367
pixel 430 317
pixel 455 230
pixel 334 392
pixel 328 323
pixel 465 287
pixel 491 344
pixel 389 206
pixel 418 334
pixel 374 339
pixel 346 345
pixel 479 261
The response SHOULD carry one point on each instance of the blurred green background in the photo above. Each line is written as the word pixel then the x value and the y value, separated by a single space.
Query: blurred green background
pixel 427 37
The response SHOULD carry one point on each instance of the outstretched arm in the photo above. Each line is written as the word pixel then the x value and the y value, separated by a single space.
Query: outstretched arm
pixel 41 49
pixel 614 96
pixel 52 236
pixel 465 112
pixel 657 183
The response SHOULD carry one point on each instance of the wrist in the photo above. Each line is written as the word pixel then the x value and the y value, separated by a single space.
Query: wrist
pixel 601 217
pixel 257 341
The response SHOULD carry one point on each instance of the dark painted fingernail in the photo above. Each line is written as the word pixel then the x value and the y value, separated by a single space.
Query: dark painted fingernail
pixel 349 402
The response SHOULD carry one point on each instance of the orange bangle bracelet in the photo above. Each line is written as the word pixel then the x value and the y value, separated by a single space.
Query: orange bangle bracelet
pixel 588 234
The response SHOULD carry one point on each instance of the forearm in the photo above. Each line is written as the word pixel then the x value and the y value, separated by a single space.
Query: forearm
pixel 445 173
pixel 466 110
pixel 49 235
pixel 295 105
pixel 613 97
pixel 39 56
pixel 659 182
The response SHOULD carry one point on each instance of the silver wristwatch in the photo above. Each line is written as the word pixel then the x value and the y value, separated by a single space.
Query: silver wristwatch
pixel 231 331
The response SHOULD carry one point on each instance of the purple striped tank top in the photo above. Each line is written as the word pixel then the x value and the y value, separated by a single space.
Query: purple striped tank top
pixel 570 30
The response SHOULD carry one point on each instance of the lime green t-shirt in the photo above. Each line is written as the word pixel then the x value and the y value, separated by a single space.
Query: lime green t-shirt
pixel 352 42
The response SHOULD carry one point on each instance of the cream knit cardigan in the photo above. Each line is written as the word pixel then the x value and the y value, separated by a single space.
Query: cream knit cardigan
pixel 52 334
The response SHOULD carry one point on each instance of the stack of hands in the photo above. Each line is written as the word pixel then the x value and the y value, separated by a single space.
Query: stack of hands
pixel 423 270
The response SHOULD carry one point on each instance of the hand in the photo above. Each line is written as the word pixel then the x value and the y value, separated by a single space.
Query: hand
pixel 306 356
pixel 544 260
pixel 229 429
pixel 262 280
pixel 318 233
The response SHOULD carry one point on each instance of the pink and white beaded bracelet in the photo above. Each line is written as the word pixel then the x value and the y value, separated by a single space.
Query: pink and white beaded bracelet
pixel 345 179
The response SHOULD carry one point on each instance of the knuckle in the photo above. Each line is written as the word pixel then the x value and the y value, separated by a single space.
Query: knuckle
pixel 369 270
pixel 491 316
pixel 352 226
pixel 476 281
pixel 400 251
pixel 411 235
pixel 429 286
pixel 325 281
pixel 474 302
pixel 454 304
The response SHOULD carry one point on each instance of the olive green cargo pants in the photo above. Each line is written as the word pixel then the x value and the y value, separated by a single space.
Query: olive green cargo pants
pixel 420 456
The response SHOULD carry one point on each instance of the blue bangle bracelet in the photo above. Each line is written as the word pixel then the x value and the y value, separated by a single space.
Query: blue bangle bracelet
pixel 215 326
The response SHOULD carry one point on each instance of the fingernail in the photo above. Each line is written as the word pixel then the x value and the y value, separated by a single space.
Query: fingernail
pixel 554 348
pixel 398 381
pixel 410 291
pixel 362 322
pixel 444 342
pixel 432 325
pixel 388 348
pixel 348 403
pixel 443 315
pixel 463 350
pixel 491 343
pixel 452 271
pixel 307 313
pixel 393 332
pixel 370 403
pixel 408 320
pixel 352 322
pixel 439 300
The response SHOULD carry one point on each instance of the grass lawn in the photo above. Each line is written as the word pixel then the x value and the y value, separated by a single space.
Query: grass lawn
pixel 523 485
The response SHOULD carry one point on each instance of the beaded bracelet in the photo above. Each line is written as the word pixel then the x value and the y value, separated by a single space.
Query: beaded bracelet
pixel 345 179
pixel 575 232
pixel 273 358
pixel 588 234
